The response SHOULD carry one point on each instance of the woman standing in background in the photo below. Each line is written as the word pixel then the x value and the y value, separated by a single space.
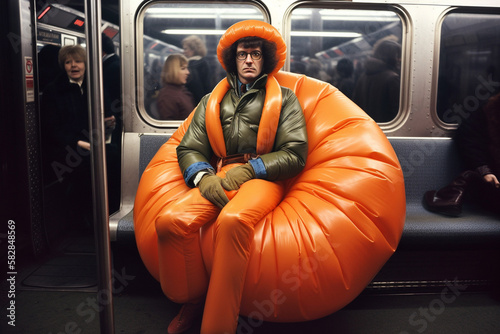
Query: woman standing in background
pixel 175 102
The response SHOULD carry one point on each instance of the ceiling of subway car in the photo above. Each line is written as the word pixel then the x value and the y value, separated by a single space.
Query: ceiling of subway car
pixel 315 31
pixel 110 9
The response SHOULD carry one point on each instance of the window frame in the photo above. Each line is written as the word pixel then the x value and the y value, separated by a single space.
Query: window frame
pixel 406 43
pixel 437 58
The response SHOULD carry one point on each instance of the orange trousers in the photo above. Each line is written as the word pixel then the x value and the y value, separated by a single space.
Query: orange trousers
pixel 183 274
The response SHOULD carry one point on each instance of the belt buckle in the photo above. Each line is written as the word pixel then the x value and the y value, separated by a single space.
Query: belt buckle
pixel 243 157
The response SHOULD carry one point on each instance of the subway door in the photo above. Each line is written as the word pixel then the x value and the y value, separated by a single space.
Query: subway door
pixel 20 187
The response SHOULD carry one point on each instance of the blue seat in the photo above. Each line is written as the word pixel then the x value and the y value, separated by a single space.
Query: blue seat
pixel 429 164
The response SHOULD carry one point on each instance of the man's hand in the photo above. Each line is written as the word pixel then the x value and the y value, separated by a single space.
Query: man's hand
pixel 236 176
pixel 84 144
pixel 109 127
pixel 109 124
pixel 491 178
pixel 211 189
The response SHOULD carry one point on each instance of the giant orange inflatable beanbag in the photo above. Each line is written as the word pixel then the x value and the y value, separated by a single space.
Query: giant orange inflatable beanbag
pixel 339 222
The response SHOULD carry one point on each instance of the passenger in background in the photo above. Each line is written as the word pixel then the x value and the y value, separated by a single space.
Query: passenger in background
pixel 66 135
pixel 200 81
pixel 478 139
pixel 111 78
pixel 111 73
pixel 156 68
pixel 297 65
pixel 175 102
pixel 315 69
pixel 152 87
pixel 48 66
pixel 345 82
pixel 377 90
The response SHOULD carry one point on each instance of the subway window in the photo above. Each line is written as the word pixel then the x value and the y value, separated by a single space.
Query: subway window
pixel 469 64
pixel 358 51
pixel 180 53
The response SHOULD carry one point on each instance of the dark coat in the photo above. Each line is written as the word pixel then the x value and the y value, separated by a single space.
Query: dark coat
pixel 64 119
pixel 377 91
pixel 111 75
pixel 492 111
pixel 478 138
pixel 346 86
pixel 200 78
pixel 174 102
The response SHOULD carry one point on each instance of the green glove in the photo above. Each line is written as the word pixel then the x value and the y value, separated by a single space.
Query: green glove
pixel 210 188
pixel 237 176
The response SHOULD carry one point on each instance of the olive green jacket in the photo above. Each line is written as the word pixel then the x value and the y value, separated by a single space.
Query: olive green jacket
pixel 240 117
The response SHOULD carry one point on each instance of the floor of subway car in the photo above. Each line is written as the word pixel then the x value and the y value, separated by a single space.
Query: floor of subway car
pixel 141 307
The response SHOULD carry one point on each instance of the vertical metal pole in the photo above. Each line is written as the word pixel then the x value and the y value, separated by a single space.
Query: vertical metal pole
pixel 98 156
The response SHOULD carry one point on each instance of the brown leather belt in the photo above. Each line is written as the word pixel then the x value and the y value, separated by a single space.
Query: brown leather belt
pixel 235 158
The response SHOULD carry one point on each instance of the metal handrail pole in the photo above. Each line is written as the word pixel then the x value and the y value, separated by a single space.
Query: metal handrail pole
pixel 98 156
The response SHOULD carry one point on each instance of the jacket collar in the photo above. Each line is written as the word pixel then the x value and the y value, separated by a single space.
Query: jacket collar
pixel 260 83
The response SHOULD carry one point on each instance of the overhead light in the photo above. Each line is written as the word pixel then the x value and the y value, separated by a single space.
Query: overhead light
pixel 372 15
pixel 346 34
pixel 346 15
pixel 193 32
pixel 478 53
pixel 206 16
pixel 360 18
pixel 204 13
pixel 179 16
pixel 199 10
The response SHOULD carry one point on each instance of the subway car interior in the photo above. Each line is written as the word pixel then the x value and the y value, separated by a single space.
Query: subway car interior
pixel 70 267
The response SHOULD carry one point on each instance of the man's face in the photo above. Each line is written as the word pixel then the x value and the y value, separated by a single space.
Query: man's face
pixel 249 69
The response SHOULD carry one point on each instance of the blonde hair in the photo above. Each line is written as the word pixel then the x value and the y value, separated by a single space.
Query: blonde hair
pixel 196 44
pixel 75 51
pixel 171 69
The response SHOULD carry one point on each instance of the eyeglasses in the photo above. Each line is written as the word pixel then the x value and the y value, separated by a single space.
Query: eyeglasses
pixel 242 55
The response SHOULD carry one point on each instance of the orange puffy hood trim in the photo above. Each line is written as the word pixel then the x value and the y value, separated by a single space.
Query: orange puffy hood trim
pixel 253 28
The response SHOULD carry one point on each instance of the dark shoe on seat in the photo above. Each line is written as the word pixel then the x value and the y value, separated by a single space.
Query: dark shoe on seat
pixel 448 200
pixel 450 206
pixel 186 318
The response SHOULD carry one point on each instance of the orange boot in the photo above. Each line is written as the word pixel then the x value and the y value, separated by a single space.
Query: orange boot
pixel 186 317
